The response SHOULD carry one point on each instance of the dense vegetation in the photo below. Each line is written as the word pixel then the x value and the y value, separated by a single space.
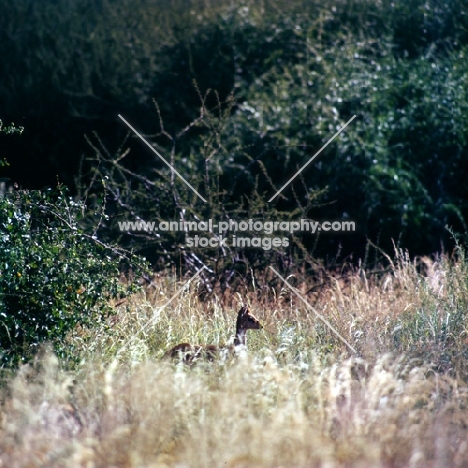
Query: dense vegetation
pixel 299 398
pixel 362 357
pixel 246 93
pixel 53 276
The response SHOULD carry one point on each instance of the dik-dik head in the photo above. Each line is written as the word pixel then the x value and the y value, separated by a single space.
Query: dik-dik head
pixel 247 321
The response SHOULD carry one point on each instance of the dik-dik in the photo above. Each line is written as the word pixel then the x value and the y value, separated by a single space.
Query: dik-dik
pixel 190 353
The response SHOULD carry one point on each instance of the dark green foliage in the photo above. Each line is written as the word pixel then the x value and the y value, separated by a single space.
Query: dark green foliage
pixel 284 76
pixel 52 275
pixel 396 170
pixel 161 196
pixel 10 129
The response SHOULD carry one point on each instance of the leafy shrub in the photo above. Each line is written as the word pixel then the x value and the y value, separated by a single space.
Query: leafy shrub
pixel 396 170
pixel 52 274
pixel 291 73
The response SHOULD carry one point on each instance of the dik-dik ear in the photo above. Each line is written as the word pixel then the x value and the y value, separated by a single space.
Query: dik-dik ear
pixel 244 310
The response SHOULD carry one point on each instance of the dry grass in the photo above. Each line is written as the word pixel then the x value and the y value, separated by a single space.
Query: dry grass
pixel 297 399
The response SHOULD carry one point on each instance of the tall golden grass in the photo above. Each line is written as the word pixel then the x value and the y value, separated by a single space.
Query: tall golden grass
pixel 299 398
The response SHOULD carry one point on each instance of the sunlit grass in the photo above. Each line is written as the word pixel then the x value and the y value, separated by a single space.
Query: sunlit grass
pixel 298 398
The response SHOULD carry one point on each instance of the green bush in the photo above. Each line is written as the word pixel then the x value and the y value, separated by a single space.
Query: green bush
pixel 396 170
pixel 291 74
pixel 52 274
